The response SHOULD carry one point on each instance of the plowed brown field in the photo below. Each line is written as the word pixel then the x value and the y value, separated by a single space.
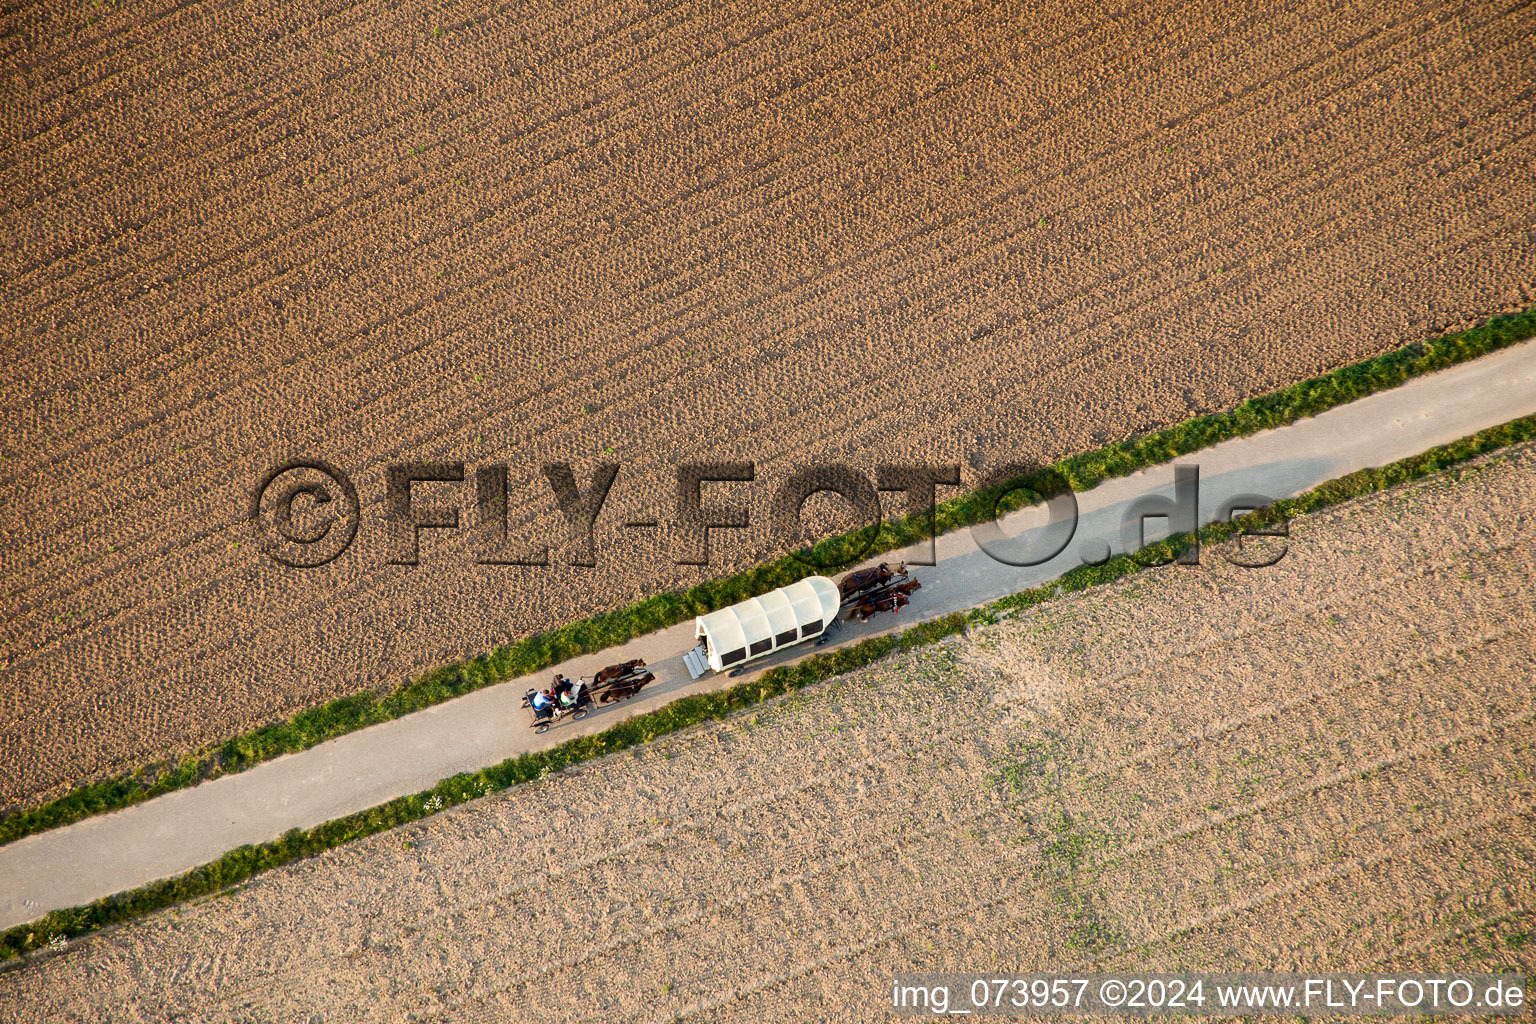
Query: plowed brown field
pixel 241 232
pixel 1326 765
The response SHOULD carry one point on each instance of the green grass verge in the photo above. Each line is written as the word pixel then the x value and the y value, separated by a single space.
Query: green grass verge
pixel 607 629
pixel 241 864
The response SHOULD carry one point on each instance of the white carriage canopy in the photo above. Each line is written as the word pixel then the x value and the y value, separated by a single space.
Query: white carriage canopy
pixel 765 623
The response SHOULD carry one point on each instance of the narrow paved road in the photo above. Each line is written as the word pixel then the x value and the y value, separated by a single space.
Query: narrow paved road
pixel 176 832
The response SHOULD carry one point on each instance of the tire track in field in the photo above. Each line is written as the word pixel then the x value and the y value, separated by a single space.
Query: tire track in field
pixel 855 949
pixel 782 882
pixel 1351 865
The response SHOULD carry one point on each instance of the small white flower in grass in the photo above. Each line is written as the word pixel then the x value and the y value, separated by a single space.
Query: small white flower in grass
pixel 57 943
pixel 434 804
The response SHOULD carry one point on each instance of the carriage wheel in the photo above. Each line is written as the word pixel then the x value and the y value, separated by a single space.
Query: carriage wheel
pixel 580 713
pixel 541 727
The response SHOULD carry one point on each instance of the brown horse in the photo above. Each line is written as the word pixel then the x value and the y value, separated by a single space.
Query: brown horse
pixel 864 579
pixel 627 687
pixel 615 671
pixel 878 599
pixel 892 600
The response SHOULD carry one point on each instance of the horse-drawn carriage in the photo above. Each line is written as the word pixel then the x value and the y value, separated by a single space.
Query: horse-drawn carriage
pixel 759 626
pixel 731 638
pixel 573 698
pixel 879 589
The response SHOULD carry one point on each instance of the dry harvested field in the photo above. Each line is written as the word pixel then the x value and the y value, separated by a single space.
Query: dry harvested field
pixel 1326 765
pixel 240 232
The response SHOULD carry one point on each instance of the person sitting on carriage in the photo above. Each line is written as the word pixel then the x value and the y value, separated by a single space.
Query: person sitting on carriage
pixel 543 704
pixel 570 693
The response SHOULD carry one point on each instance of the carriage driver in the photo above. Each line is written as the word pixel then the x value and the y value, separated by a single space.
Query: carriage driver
pixel 543 703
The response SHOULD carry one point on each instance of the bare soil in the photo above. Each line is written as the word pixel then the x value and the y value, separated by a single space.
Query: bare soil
pixel 1322 765
pixel 873 232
